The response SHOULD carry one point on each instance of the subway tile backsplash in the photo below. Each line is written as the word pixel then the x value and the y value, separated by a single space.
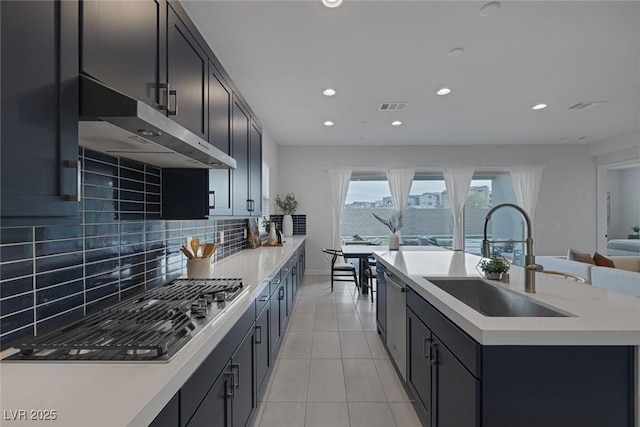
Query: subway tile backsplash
pixel 57 274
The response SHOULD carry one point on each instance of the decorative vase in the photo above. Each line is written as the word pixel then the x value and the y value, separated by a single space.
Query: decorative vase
pixel 287 225
pixel 273 238
pixel 394 242
pixel 199 268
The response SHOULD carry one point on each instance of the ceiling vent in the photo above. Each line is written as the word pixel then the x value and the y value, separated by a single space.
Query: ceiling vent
pixel 586 105
pixel 393 106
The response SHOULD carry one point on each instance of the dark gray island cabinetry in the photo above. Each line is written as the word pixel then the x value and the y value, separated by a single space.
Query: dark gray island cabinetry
pixel 457 382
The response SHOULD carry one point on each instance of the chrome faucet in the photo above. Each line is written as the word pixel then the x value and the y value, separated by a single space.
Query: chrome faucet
pixel 530 266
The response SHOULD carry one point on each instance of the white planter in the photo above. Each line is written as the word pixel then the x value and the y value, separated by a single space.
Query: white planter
pixel 394 242
pixel 199 268
pixel 273 239
pixel 287 225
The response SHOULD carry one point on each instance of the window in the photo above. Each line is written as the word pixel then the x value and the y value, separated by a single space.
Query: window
pixel 486 191
pixel 427 217
pixel 368 193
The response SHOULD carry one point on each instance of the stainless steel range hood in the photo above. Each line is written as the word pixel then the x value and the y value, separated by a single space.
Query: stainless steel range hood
pixel 116 124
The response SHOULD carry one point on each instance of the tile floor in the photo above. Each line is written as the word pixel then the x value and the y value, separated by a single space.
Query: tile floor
pixel 332 369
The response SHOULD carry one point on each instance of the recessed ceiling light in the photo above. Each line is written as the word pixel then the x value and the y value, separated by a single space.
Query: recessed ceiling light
pixel 332 3
pixel 328 123
pixel 328 92
pixel 539 107
pixel 443 91
pixel 396 123
pixel 489 9
pixel 456 51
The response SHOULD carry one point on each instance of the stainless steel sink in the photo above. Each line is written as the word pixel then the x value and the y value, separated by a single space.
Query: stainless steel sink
pixel 493 301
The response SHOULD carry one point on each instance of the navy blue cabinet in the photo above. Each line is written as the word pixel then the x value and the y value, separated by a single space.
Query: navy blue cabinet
pixel 40 173
pixel 381 300
pixel 124 47
pixel 170 415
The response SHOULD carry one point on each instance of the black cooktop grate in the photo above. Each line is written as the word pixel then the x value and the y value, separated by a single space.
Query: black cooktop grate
pixel 151 326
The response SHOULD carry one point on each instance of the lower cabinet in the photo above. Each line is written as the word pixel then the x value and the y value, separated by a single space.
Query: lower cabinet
pixel 263 353
pixel 456 382
pixel 243 375
pixel 215 409
pixel 170 415
pixel 274 322
pixel 381 300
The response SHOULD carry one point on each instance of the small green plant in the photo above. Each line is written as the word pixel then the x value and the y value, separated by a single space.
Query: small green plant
pixel 267 224
pixel 394 223
pixel 288 205
pixel 494 264
pixel 636 228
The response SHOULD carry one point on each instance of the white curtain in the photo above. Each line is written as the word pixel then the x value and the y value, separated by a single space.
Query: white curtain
pixel 400 181
pixel 338 186
pixel 526 185
pixel 457 182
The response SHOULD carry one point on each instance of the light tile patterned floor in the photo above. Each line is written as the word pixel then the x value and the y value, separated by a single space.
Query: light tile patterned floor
pixel 332 369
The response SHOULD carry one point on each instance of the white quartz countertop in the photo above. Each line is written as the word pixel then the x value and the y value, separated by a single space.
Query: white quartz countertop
pixel 599 316
pixel 104 394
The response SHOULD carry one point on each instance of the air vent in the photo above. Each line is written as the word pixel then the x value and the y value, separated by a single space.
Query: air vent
pixel 393 106
pixel 586 105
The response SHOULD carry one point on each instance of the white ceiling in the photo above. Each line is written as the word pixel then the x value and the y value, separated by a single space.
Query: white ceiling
pixel 283 54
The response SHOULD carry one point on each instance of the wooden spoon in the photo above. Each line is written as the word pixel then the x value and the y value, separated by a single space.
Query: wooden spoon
pixel 195 245
pixel 209 249
pixel 186 252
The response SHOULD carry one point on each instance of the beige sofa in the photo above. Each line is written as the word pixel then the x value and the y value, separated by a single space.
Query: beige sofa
pixel 625 278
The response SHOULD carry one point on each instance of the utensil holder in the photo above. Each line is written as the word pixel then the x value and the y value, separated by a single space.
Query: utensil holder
pixel 199 268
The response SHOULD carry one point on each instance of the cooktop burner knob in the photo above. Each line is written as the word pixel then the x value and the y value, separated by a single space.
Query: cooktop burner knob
pixel 221 296
pixel 201 312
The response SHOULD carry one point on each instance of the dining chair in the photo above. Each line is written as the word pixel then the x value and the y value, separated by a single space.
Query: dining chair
pixel 340 271
pixel 569 276
pixel 370 274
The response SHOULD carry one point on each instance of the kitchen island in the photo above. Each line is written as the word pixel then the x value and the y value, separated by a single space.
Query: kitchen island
pixel 465 368
pixel 108 394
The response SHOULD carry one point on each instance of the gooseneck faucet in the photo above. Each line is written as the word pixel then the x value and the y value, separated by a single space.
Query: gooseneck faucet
pixel 530 266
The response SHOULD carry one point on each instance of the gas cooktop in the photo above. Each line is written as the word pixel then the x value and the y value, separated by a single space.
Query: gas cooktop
pixel 153 326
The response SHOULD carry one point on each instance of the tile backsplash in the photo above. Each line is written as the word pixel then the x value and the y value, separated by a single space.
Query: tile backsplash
pixel 56 274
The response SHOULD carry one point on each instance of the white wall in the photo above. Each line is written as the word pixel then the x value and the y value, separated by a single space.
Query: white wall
pixel 270 157
pixel 565 216
pixel 629 187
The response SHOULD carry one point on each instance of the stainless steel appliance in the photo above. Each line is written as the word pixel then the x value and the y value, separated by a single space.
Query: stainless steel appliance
pixel 397 322
pixel 150 327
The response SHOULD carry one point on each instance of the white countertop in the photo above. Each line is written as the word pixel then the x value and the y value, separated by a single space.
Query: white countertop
pixel 600 316
pixel 105 394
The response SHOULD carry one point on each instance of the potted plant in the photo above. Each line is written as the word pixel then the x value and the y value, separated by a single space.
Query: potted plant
pixel 636 232
pixel 494 267
pixel 288 206
pixel 394 224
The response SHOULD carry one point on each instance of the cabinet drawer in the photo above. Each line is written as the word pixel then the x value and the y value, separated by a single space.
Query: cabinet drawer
pixel 466 350
pixel 263 299
pixel 275 283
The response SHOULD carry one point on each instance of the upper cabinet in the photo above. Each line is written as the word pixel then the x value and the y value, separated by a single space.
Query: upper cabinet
pixel 40 173
pixel 240 144
pixel 255 169
pixel 188 77
pixel 124 46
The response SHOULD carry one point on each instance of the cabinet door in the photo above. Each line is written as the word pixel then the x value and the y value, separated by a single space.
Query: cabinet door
pixel 287 280
pixel 419 359
pixel 170 414
pixel 219 111
pixel 274 323
pixel 242 364
pixel 39 132
pixel 123 45
pixel 381 300
pixel 240 150
pixel 215 409
pixel 456 391
pixel 263 356
pixel 283 313
pixel 255 171
pixel 188 77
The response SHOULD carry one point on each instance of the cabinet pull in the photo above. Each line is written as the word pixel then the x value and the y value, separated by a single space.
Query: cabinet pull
pixel 248 205
pixel 276 281
pixel 285 269
pixel 77 165
pixel 281 294
pixel 230 390
pixel 426 349
pixel 164 87
pixel 174 93
pixel 433 354
pixel 212 199
pixel 263 298
pixel 236 378
pixel 259 329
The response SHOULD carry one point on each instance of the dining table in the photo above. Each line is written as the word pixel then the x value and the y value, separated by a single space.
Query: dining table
pixel 361 252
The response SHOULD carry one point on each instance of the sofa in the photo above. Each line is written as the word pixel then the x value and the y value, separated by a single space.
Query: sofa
pixel 624 278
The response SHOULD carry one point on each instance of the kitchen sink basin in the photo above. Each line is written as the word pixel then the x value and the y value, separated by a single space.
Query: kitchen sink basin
pixel 493 301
